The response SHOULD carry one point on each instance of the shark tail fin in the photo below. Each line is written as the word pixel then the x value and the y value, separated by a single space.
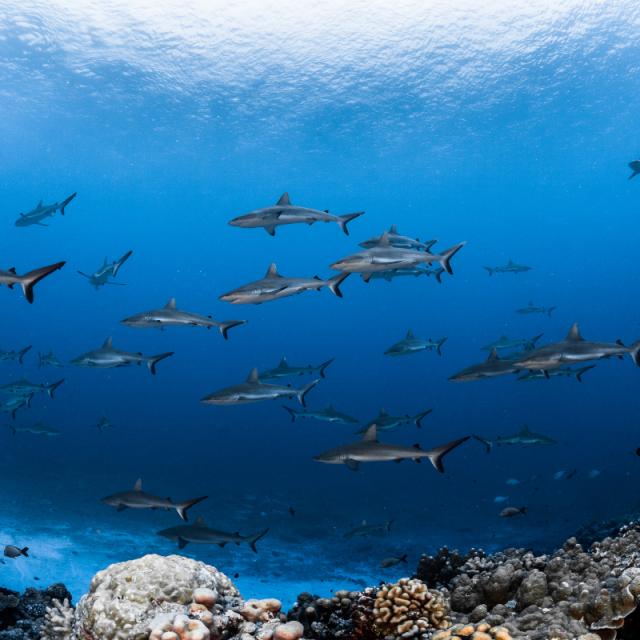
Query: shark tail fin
pixel 421 416
pixel 183 507
pixel 22 353
pixel 323 367
pixel 634 174
pixel 346 219
pixel 230 324
pixel 152 361
pixel 31 279
pixel 66 201
pixel 252 540
pixel 550 310
pixel 635 352
pixel 335 282
pixel 445 257
pixel 580 372
pixel 436 455
pixel 119 263
pixel 388 524
pixel 487 443
pixel 303 392
pixel 489 270
pixel 404 558
pixel 291 412
pixel 439 346
pixel 52 387
pixel 438 274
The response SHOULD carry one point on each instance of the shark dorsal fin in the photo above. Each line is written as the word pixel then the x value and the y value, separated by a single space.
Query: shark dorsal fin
pixel 503 338
pixel 383 412
pixel 39 204
pixel 384 240
pixel 493 356
pixel 284 200
pixel 171 304
pixel 253 376
pixel 409 334
pixel 272 271
pixel 138 485
pixel 329 407
pixel 574 333
pixel 525 429
pixel 200 521
pixel 511 262
pixel 393 229
pixel 371 434
pixel 108 343
pixel 283 362
pixel 106 261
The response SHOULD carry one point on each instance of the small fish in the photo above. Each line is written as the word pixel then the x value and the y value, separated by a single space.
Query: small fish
pixel 393 561
pixel 10 551
pixel 499 499
pixel 510 512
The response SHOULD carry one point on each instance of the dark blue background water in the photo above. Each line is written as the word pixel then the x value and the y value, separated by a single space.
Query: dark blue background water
pixel 509 127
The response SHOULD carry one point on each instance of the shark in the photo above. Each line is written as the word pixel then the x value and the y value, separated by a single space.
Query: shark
pixel 415 272
pixel 43 211
pixel 328 414
pixel 28 280
pixel 14 404
pixel 562 372
pixel 39 429
pixel 25 388
pixel 103 423
pixel 275 286
pixel 285 370
pixel 524 437
pixel 505 343
pixel 575 349
pixel 136 498
pixel 386 422
pixel 107 357
pixel 253 390
pixel 17 356
pixel 366 529
pixel 171 316
pixel 200 533
pixel 510 267
pixel 397 240
pixel 634 165
pixel 283 212
pixel 49 360
pixel 492 367
pixel 531 309
pixel 108 270
pixel 385 257
pixel 369 449
pixel 411 344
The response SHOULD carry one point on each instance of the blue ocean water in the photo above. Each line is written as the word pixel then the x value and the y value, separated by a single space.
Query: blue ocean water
pixel 508 125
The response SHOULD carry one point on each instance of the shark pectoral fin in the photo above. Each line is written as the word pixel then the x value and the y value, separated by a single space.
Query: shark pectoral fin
pixel 221 544
pixel 182 543
pixel 417 460
pixel 366 277
pixel 546 373
pixel 270 229
pixel 398 460
pixel 121 507
pixel 352 465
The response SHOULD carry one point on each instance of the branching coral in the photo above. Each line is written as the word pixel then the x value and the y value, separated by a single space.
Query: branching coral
pixel 58 621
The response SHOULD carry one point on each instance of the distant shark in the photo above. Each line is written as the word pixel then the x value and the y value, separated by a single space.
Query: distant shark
pixel 25 388
pixel 400 241
pixel 42 211
pixel 523 437
pixel 328 414
pixel 275 286
pixel 28 280
pixel 108 270
pixel 411 344
pixel 285 370
pixel 139 499
pixel 492 367
pixel 14 404
pixel 171 316
pixel 531 309
pixel 253 390
pixel 48 359
pixel 200 533
pixel 106 357
pixel 510 267
pixel 103 423
pixel 386 422
pixel 369 449
pixel 563 372
pixel 365 529
pixel 504 343
pixel 283 212
pixel 39 429
pixel 414 272
pixel 15 355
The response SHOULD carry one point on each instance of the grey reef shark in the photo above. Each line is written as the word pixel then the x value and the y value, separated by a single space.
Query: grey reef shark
pixel 275 286
pixel 385 257
pixel 366 529
pixel 171 316
pixel 253 390
pixel 43 211
pixel 531 309
pixel 369 449
pixel 285 370
pixel 136 498
pixel 510 267
pixel 412 344
pixel 386 422
pixel 414 272
pixel 15 355
pixel 328 414
pixel 25 388
pixel 108 270
pixel 38 429
pixel 13 405
pixel 562 372
pixel 397 240
pixel 283 213
pixel 505 343
pixel 524 437
pixel 48 360
pixel 492 367
pixel 28 280
pixel 107 357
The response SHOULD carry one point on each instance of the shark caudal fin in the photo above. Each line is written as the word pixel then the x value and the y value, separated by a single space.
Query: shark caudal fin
pixel 152 361
pixel 335 282
pixel 31 279
pixel 487 443
pixel 52 387
pixel 252 540
pixel 22 353
pixel 550 310
pixel 66 201
pixel 225 326
pixel 634 173
pixel 119 263
pixel 438 274
pixel 292 412
pixel 420 417
pixel 436 455
pixel 580 372
pixel 439 345
pixel 183 507
pixel 303 392
pixel 634 352
pixel 490 270
pixel 323 367
pixel 445 257
pixel 346 219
